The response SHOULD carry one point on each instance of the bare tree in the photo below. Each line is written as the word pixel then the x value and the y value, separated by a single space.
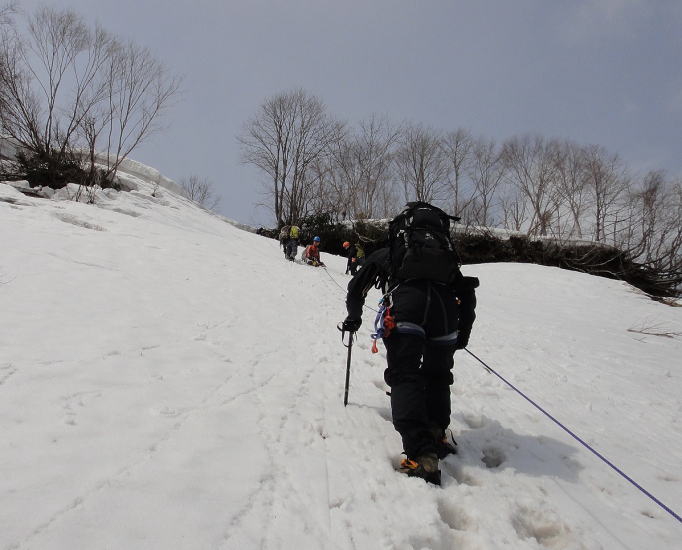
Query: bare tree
pixel 672 259
pixel 389 203
pixel 7 56
pixel 607 183
pixel 290 131
pixel 514 208
pixel 138 90
pixel 7 11
pixel 345 175
pixel 62 58
pixel 38 120
pixel 313 132
pixel 325 193
pixel 422 167
pixel 571 188
pixel 362 165
pixel 200 191
pixel 19 105
pixel 486 171
pixel 266 141
pixel 655 237
pixel 530 164
pixel 54 84
pixel 375 143
pixel 457 148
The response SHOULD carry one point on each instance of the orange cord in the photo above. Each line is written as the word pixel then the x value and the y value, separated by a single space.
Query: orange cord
pixel 408 464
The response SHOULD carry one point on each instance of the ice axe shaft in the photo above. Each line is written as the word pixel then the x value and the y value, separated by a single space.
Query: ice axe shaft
pixel 350 350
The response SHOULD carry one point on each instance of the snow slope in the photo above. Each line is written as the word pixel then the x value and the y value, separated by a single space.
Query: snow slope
pixel 170 381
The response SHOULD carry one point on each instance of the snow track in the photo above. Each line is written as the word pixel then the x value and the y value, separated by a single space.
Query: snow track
pixel 169 381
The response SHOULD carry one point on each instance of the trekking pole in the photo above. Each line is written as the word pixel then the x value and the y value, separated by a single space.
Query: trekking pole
pixel 350 349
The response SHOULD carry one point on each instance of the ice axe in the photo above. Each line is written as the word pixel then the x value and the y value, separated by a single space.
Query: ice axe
pixel 349 345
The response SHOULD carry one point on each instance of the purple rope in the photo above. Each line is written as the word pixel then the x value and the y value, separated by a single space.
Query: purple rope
pixel 578 439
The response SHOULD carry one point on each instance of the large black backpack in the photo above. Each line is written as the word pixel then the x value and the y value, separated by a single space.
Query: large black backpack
pixel 420 245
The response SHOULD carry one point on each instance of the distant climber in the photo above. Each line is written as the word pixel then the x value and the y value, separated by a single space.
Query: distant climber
pixel 284 239
pixel 360 254
pixel 292 244
pixel 352 255
pixel 311 255
pixel 288 239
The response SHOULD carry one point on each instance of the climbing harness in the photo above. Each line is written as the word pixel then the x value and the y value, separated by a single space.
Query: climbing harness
pixel 384 323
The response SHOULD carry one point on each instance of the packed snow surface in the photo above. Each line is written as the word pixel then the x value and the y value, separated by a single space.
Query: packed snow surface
pixel 168 381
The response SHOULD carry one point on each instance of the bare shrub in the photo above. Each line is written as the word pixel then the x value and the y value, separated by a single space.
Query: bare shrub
pixel 200 191
pixel 69 90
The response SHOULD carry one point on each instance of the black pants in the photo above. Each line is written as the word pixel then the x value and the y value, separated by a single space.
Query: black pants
pixel 290 249
pixel 420 358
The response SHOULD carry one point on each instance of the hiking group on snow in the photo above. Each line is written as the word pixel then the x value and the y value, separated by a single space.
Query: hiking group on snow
pixel 289 240
pixel 427 312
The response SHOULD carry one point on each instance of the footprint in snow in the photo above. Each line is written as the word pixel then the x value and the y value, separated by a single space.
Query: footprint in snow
pixel 454 516
pixel 493 457
pixel 74 402
pixel 168 412
pixel 6 371
pixel 668 477
pixel 460 476
pixel 542 525
pixel 475 421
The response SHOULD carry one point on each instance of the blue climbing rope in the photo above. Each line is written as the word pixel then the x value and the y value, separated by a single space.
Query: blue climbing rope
pixel 577 438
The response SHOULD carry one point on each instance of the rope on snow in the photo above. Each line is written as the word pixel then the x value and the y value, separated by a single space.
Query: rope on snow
pixel 578 439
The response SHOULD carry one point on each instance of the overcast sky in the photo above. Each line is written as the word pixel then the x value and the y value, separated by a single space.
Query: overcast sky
pixel 607 72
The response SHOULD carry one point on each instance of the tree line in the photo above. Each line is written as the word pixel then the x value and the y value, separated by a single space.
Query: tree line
pixel 541 187
pixel 74 99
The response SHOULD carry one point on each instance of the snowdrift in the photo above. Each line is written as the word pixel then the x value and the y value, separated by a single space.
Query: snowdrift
pixel 170 381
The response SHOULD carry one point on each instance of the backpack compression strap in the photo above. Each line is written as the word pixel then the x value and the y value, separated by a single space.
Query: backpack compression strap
pixel 421 204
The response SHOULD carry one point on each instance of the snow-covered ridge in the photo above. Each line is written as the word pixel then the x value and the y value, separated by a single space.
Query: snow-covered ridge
pixel 132 175
pixel 129 169
pixel 170 381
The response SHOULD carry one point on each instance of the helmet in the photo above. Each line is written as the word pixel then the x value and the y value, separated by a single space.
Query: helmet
pixel 346 244
pixel 316 239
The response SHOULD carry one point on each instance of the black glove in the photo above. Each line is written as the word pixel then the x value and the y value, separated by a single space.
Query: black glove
pixel 462 339
pixel 351 325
